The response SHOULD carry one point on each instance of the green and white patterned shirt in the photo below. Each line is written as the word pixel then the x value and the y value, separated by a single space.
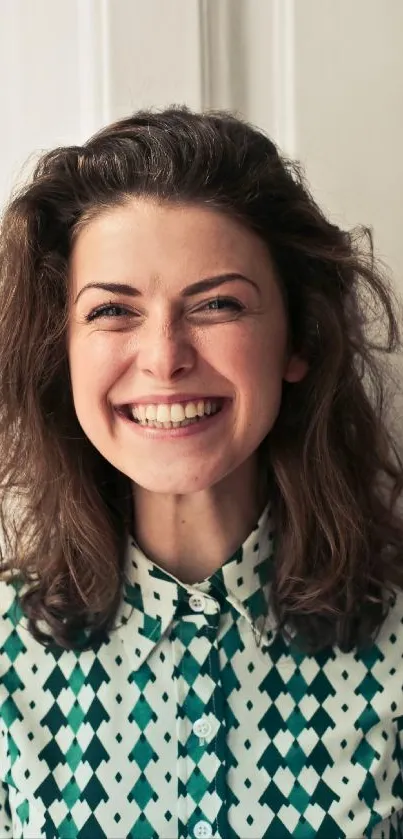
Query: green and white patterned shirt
pixel 190 722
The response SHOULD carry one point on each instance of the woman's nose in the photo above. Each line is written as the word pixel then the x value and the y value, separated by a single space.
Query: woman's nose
pixel 165 352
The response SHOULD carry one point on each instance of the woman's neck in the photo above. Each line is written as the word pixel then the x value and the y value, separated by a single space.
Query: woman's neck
pixel 192 535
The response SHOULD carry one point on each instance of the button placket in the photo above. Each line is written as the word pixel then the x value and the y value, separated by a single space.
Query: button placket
pixel 202 727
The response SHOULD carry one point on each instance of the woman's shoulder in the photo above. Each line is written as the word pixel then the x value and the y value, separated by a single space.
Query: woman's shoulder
pixel 10 610
pixel 392 626
pixel 388 642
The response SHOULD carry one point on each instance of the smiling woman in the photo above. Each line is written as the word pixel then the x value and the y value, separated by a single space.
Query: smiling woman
pixel 202 555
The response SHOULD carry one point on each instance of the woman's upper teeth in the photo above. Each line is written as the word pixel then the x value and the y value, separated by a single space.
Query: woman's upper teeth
pixel 177 412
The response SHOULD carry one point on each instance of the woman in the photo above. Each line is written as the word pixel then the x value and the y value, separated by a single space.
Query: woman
pixel 201 609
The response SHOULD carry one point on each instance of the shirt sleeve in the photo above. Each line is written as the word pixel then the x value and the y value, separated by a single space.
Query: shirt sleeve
pixel 6 825
pixel 5 815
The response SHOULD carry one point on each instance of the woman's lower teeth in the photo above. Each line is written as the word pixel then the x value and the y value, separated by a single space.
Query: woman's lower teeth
pixel 183 424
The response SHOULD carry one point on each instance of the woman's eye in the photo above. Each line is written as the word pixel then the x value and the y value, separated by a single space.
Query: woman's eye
pixel 220 304
pixel 111 310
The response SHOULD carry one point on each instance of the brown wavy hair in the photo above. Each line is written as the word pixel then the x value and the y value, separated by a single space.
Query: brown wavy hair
pixel 336 470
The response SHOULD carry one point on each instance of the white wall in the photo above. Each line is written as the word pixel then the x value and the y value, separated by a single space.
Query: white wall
pixel 39 72
pixel 154 54
pixel 323 77
pixel 349 112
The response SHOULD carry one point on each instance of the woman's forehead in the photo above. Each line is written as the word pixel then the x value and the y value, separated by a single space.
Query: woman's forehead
pixel 143 239
pixel 139 217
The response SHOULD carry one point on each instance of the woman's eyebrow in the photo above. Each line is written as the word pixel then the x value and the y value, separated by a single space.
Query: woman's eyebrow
pixel 189 291
pixel 213 282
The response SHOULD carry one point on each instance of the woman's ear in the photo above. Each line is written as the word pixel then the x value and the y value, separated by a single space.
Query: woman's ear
pixel 296 369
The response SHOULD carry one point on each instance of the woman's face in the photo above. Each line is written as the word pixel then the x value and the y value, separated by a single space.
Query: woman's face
pixel 177 343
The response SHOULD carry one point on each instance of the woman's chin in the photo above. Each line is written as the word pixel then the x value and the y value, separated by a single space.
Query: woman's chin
pixel 175 484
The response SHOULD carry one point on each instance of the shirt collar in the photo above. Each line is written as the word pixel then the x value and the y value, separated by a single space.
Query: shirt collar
pixel 151 595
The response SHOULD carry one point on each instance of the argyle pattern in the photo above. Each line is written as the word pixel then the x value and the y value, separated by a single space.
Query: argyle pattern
pixel 195 718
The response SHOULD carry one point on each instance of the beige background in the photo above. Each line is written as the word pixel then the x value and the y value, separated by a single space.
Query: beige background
pixel 323 77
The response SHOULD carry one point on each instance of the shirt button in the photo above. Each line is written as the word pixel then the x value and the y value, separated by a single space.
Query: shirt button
pixel 202 728
pixel 197 602
pixel 202 830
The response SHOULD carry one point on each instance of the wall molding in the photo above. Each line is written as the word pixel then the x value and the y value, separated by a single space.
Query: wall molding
pixel 204 54
pixel 247 56
pixel 222 69
pixel 283 78
pixel 93 29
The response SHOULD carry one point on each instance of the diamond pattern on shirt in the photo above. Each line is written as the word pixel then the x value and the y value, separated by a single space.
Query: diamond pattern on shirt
pixel 105 742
